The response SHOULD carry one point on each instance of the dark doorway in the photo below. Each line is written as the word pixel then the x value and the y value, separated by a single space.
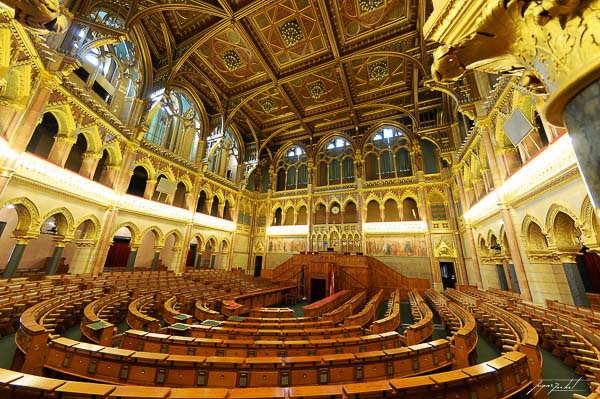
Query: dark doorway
pixel 257 265
pixel 213 258
pixel 448 274
pixel 118 254
pixel 502 277
pixel 317 289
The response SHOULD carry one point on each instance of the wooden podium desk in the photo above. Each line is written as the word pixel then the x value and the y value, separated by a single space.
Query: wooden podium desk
pixel 277 313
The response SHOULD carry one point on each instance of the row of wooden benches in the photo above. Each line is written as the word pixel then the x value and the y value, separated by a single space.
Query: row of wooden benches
pixel 503 377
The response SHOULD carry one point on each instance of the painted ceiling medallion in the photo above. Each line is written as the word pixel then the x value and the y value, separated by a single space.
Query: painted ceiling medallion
pixel 267 105
pixel 291 33
pixel 367 6
pixel 378 70
pixel 232 60
pixel 316 89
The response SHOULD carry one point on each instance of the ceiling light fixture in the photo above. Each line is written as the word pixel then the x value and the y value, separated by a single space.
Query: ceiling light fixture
pixel 367 6
pixel 316 89
pixel 378 70
pixel 232 60
pixel 291 33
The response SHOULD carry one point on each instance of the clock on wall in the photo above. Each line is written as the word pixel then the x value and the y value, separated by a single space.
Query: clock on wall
pixel 335 209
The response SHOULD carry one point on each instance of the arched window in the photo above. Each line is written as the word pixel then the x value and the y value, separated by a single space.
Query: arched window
pixel 174 124
pixel 110 70
pixel 292 171
pixel 387 155
pixel 42 140
pixel 224 155
pixel 336 163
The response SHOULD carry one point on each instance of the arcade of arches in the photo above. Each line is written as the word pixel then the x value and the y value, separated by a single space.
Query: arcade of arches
pixel 129 142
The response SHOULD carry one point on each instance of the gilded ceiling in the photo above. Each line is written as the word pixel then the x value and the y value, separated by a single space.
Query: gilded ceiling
pixel 292 68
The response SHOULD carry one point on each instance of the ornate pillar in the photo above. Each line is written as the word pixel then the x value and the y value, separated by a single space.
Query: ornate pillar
pixel 61 149
pixel 176 262
pixel 15 257
pixel 89 164
pixel 469 233
pixel 149 191
pixel 553 42
pixel 185 246
pixel 131 259
pixel 109 175
pixel 81 262
pixel 436 274
pixel 105 240
pixel 463 277
pixel 53 264
pixel 157 250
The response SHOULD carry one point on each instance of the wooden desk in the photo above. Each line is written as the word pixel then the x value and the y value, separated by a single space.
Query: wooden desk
pixel 279 313
pixel 253 393
pixel 89 389
pixel 198 393
pixel 35 383
pixel 7 376
pixel 375 389
pixel 316 392
pixel 137 392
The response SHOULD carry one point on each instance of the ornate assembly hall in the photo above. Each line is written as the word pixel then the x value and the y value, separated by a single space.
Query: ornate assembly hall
pixel 299 199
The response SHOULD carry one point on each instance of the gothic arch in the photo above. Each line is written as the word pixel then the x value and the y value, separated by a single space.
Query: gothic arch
pixel 146 164
pixel 64 116
pixel 65 223
pixel 93 139
pixel 133 229
pixel 89 235
pixel 27 214
pixel 158 235
pixel 178 238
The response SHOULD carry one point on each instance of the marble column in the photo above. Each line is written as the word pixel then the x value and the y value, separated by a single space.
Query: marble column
pixel 81 261
pixel 105 240
pixel 89 164
pixel 15 257
pixel 149 191
pixel 60 150
pixel 131 259
pixel 474 257
pixel 53 264
pixel 155 259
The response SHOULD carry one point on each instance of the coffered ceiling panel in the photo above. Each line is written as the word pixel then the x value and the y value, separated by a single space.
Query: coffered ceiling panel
pixel 356 19
pixel 318 90
pixel 230 59
pixel 269 107
pixel 289 31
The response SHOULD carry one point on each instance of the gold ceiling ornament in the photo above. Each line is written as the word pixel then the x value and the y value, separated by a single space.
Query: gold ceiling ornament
pixel 367 6
pixel 267 105
pixel 291 33
pixel 378 70
pixel 232 60
pixel 316 89
pixel 43 16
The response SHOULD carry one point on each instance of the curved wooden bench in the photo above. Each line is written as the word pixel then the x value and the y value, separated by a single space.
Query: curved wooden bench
pixel 121 366
pixel 138 319
pixel 392 321
pixel 367 314
pixel 95 325
pixel 346 309
pixel 462 326
pixel 476 381
pixel 326 304
pixel 423 329
pixel 172 344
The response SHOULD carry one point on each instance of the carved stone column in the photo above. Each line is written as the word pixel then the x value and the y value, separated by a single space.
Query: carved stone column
pixel 89 164
pixel 60 150
pixel 553 44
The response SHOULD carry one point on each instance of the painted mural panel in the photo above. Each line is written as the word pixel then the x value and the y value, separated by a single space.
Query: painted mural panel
pixel 287 245
pixel 396 246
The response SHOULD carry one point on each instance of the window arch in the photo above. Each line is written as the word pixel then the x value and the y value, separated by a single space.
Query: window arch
pixel 225 155
pixel 292 169
pixel 112 71
pixel 335 163
pixel 174 124
pixel 387 155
